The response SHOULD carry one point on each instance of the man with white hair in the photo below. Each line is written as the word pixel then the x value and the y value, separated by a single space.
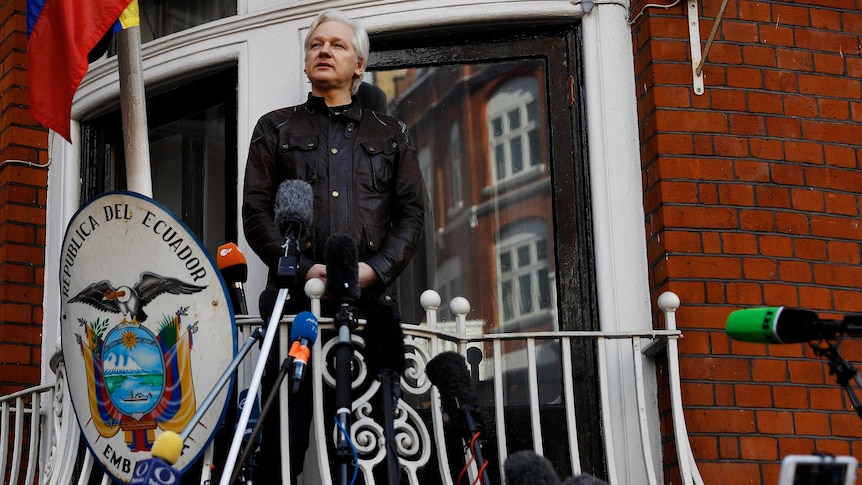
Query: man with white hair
pixel 366 183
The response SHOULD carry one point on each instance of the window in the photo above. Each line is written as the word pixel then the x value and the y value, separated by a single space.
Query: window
pixel 513 128
pixel 500 105
pixel 162 17
pixel 448 285
pixel 455 166
pixel 479 233
pixel 192 133
pixel 524 276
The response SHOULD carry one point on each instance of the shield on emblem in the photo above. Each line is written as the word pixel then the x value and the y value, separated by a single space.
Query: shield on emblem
pixel 147 330
pixel 134 369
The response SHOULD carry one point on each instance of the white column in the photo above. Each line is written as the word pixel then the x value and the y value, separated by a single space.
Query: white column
pixel 617 203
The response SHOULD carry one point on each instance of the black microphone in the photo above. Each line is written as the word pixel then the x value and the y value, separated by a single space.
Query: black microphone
pixel 303 332
pixel 584 479
pixel 529 468
pixel 384 341
pixel 234 269
pixel 293 210
pixel 342 268
pixel 448 371
pixel 780 325
pixel 243 401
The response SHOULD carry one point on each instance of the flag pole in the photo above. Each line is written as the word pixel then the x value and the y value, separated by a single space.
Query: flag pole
pixel 133 106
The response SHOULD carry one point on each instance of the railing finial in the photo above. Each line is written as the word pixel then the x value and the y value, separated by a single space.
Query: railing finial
pixel 430 300
pixel 668 301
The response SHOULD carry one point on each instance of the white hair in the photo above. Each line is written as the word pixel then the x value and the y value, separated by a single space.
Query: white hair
pixel 360 40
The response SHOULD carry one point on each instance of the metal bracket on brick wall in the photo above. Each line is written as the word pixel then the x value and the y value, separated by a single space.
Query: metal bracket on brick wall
pixel 698 59
pixel 694 40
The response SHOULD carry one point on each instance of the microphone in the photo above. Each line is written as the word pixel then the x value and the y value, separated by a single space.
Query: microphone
pixel 342 268
pixel 234 269
pixel 293 206
pixel 448 371
pixel 780 325
pixel 529 468
pixel 293 210
pixel 303 332
pixel 243 401
pixel 384 341
pixel 159 470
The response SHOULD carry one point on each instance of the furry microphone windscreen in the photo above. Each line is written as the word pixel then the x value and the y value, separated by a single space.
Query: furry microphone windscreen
pixel 342 268
pixel 529 468
pixel 448 371
pixel 294 202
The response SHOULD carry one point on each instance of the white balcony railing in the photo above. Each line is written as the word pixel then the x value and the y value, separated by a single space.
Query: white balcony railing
pixel 42 444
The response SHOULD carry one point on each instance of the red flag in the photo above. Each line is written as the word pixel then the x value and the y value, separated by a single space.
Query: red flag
pixel 61 33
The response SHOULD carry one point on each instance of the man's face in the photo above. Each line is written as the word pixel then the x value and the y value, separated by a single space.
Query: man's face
pixel 331 61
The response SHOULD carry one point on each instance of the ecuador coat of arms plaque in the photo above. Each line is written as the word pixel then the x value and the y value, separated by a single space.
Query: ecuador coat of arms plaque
pixel 147 330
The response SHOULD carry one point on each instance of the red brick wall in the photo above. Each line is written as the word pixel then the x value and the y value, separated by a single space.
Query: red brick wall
pixel 23 189
pixel 752 197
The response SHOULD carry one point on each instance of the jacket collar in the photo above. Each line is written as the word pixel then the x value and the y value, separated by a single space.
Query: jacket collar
pixel 316 103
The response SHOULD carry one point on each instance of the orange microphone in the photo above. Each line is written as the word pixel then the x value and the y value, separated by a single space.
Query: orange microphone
pixel 234 269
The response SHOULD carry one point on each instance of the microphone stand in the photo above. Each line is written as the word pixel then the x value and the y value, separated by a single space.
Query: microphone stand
pixel 345 322
pixel 264 412
pixel 223 380
pixel 226 375
pixel 842 369
pixel 475 448
pixel 286 277
pixel 391 393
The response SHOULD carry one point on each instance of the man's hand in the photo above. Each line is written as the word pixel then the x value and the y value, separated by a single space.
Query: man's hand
pixel 316 271
pixel 367 276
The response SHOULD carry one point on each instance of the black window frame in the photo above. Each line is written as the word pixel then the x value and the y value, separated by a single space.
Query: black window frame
pixel 102 141
pixel 558 45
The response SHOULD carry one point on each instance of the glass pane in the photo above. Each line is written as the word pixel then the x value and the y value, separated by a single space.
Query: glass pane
pixel 497 124
pixel 500 161
pixel 514 120
pixel 505 262
pixel 517 155
pixel 192 155
pixel 542 249
pixel 535 148
pixel 526 294
pixel 544 288
pixel 523 256
pixel 506 296
pixel 162 17
pixel 533 111
pixel 504 223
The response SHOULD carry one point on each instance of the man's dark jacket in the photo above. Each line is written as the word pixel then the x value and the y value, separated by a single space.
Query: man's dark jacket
pixel 364 175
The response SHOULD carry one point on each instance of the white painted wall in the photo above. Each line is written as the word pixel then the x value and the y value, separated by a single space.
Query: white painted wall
pixel 264 40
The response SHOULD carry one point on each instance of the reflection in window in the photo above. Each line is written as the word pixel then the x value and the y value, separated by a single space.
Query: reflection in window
pixel 448 286
pixel 505 239
pixel 513 128
pixel 162 17
pixel 494 249
pixel 524 274
pixel 192 135
pixel 455 165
